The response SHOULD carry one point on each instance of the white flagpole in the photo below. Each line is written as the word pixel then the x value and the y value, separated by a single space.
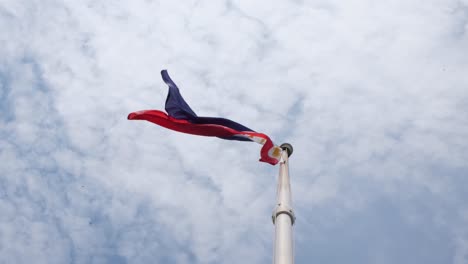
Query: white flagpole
pixel 283 215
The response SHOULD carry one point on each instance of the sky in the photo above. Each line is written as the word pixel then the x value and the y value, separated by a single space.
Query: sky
pixel 372 95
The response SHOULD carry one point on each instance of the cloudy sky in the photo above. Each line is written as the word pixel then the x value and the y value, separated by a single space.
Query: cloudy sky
pixel 372 95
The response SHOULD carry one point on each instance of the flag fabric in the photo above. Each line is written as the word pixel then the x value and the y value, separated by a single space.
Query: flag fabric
pixel 180 117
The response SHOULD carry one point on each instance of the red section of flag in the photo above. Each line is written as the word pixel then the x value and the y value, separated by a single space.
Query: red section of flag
pixel 210 130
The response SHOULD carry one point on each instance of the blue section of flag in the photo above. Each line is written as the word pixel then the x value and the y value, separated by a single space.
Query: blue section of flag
pixel 176 107
pixel 175 103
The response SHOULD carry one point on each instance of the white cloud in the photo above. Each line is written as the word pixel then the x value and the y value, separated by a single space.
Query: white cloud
pixel 372 96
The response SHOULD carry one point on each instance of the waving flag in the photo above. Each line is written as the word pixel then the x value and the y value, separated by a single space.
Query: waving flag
pixel 180 117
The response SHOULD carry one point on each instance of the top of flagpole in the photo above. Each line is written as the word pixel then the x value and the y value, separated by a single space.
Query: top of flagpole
pixel 288 147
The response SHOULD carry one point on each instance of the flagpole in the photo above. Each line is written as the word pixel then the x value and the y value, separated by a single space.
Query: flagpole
pixel 283 216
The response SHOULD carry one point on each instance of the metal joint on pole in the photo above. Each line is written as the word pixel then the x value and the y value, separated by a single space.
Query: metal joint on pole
pixel 283 209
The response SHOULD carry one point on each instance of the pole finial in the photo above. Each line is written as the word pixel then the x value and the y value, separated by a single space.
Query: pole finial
pixel 288 147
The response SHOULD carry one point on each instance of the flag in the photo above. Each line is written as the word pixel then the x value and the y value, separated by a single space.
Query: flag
pixel 180 117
